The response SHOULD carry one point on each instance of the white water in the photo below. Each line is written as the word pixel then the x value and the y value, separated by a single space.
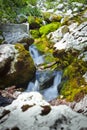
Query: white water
pixel 46 82
pixel 38 59
pixel 52 92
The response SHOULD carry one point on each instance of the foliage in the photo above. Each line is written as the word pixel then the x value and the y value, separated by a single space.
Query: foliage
pixel 9 9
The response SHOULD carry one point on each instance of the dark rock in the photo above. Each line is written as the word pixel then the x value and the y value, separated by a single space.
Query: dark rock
pixel 4 101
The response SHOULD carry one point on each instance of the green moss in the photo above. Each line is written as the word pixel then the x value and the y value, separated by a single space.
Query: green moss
pixel 49 28
pixel 73 87
pixel 43 44
pixel 35 33
pixel 74 83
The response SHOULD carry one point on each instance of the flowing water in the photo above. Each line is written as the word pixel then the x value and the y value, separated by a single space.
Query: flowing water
pixel 46 81
pixel 38 59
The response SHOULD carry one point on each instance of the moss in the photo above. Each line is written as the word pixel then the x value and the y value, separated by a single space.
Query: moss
pixel 74 84
pixel 72 88
pixel 20 71
pixel 45 47
pixel 49 17
pixel 44 30
pixel 35 33
pixel 43 44
pixel 27 68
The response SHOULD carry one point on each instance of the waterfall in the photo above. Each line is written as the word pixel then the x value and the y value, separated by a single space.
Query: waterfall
pixel 38 59
pixel 52 92
pixel 46 81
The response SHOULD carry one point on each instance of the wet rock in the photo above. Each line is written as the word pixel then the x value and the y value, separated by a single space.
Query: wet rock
pixel 5 101
pixel 16 33
pixel 16 65
pixel 41 116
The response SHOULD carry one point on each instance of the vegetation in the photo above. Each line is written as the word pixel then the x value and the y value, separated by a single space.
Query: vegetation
pixel 49 28
pixel 9 9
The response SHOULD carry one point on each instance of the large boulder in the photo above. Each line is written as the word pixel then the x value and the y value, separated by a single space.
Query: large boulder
pixel 16 33
pixel 16 65
pixel 31 112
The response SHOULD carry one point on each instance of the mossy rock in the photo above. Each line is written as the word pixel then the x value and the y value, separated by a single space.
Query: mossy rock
pixel 44 30
pixel 49 17
pixel 79 18
pixel 34 22
pixel 74 83
pixel 18 68
pixel 45 47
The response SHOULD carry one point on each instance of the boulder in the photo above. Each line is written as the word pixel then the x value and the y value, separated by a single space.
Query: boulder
pixel 31 112
pixel 16 65
pixel 16 33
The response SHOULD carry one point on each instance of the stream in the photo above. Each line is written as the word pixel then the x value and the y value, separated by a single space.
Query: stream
pixel 46 81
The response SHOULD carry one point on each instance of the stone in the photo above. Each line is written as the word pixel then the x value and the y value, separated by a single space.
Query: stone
pixel 16 65
pixel 58 34
pixel 77 39
pixel 81 107
pixel 16 33
pixel 21 18
pixel 53 117
pixel 60 6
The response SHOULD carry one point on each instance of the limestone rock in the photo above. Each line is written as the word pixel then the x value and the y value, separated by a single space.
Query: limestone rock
pixel 16 33
pixel 58 34
pixel 77 39
pixel 16 65
pixel 31 112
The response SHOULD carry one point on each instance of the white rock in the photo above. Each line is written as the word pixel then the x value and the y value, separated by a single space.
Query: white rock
pixel 60 6
pixel 82 105
pixel 76 39
pixel 35 117
pixel 58 34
